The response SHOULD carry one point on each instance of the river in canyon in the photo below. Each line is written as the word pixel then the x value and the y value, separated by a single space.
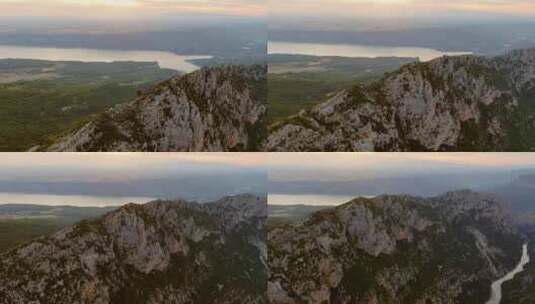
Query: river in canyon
pixel 496 287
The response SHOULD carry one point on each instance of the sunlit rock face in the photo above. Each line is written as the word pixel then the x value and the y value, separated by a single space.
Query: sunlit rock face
pixel 394 249
pixel 160 252
pixel 213 109
pixel 447 104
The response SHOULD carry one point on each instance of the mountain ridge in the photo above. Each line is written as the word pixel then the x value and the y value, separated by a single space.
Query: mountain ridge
pixel 161 251
pixel 459 103
pixel 394 249
pixel 212 109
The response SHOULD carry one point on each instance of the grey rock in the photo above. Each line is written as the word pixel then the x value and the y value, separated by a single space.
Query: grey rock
pixel 450 103
pixel 394 249
pixel 213 109
pixel 159 252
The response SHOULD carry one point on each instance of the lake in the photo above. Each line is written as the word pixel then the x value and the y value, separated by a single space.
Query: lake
pixel 354 50
pixel 70 200
pixel 165 59
pixel 308 199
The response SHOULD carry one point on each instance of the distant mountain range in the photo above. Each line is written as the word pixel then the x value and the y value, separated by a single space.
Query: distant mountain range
pixel 462 103
pixel 159 252
pixel 394 249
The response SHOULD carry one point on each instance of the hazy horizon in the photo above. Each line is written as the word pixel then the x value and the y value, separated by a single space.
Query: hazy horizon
pixel 129 9
pixel 341 175
pixel 354 166
pixel 198 176
pixel 395 14
pixel 104 17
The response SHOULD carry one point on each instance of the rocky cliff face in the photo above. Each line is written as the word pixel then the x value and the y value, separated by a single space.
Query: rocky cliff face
pixel 452 103
pixel 394 249
pixel 214 109
pixel 160 252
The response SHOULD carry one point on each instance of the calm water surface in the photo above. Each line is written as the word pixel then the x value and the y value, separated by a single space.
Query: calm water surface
pixel 70 200
pixel 353 50
pixel 308 199
pixel 165 59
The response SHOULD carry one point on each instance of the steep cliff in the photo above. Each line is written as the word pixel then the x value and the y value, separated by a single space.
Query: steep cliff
pixel 394 249
pixel 159 252
pixel 448 104
pixel 213 109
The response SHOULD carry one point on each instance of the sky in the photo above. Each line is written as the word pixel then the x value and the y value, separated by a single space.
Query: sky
pixel 113 178
pixel 327 13
pixel 261 7
pixel 208 176
pixel 393 8
pixel 281 166
pixel 129 9
pixel 116 167
pixel 364 166
pixel 333 178
pixel 398 13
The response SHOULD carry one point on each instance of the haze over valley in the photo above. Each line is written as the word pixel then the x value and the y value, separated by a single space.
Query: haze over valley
pixel 203 177
pixel 218 29
pixel 480 27
pixel 418 174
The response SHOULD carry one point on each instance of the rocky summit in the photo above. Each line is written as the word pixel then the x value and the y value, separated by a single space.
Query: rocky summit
pixel 394 249
pixel 159 252
pixel 462 103
pixel 213 109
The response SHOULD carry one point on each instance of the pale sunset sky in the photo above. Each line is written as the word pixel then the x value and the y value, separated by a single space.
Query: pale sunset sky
pixel 101 179
pixel 124 9
pixel 123 166
pixel 365 8
pixel 403 8
pixel 355 166
pixel 286 9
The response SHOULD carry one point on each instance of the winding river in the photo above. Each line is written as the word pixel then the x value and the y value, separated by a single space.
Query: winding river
pixel 496 287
